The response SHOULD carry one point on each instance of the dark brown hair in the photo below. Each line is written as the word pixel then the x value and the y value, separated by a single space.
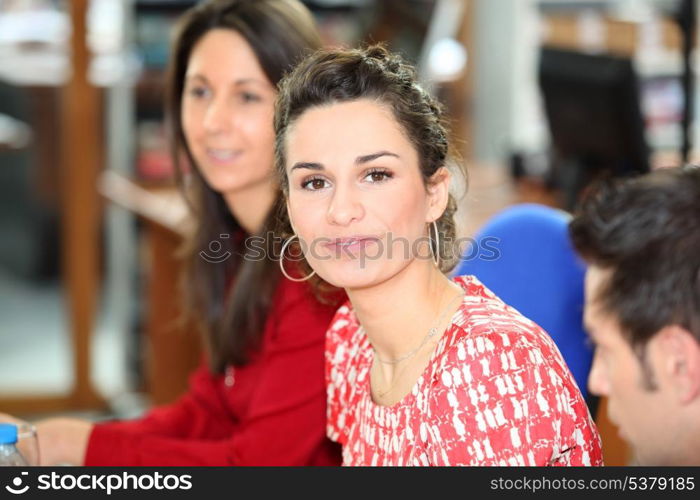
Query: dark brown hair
pixel 646 231
pixel 280 32
pixel 341 75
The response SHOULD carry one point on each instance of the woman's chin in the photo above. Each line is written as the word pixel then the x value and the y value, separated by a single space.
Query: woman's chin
pixel 351 275
pixel 227 184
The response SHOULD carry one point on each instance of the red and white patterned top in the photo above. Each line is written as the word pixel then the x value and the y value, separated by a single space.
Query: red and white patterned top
pixel 495 392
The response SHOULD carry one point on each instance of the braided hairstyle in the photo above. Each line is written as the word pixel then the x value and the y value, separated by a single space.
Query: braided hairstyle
pixel 341 75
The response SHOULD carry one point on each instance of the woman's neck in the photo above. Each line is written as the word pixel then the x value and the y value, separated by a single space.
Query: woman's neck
pixel 250 206
pixel 398 313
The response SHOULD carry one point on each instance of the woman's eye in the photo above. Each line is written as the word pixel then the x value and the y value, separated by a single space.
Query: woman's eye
pixel 314 184
pixel 378 175
pixel 248 97
pixel 199 92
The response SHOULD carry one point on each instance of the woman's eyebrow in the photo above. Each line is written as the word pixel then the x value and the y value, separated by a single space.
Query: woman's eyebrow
pixel 256 81
pixel 196 76
pixel 358 161
pixel 307 164
pixel 237 83
pixel 371 157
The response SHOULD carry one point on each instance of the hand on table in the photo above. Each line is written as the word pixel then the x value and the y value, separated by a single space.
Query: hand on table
pixel 63 440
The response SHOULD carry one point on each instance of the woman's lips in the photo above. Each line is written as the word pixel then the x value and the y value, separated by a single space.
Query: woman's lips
pixel 223 156
pixel 350 245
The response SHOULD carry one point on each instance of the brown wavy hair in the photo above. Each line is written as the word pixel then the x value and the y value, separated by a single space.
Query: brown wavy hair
pixel 230 300
pixel 646 232
pixel 341 75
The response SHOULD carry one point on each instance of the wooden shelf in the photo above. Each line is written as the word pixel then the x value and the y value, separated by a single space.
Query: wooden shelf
pixel 619 37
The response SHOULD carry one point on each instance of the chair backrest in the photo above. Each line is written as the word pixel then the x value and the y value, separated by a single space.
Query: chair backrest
pixel 537 272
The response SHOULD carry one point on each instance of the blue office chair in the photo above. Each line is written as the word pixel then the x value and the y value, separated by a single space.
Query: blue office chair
pixel 538 273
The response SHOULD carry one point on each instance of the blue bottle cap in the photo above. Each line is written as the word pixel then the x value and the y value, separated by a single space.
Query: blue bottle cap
pixel 8 433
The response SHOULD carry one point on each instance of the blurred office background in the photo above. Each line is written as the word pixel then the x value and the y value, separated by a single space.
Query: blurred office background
pixel 543 96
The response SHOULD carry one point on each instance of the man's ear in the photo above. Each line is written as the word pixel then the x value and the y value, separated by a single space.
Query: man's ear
pixel 439 193
pixel 681 361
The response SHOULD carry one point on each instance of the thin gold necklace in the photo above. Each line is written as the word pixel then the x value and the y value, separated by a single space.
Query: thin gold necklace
pixel 431 333
pixel 381 395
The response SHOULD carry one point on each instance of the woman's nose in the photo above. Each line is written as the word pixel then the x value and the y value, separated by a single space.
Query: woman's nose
pixel 218 117
pixel 345 206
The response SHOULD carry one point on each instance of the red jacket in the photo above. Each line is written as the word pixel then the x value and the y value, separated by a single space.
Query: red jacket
pixel 269 412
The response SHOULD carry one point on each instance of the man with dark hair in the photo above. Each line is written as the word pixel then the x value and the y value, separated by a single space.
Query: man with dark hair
pixel 641 239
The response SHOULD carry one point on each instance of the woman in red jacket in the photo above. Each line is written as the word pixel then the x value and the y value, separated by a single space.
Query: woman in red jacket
pixel 260 400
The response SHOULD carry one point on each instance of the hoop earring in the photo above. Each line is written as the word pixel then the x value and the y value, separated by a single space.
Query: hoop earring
pixel 436 252
pixel 284 247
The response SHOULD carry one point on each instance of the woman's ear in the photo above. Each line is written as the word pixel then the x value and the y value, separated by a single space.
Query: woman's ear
pixel 289 216
pixel 438 193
